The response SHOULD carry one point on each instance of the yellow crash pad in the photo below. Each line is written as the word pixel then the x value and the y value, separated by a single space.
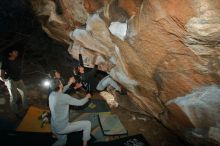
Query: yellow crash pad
pixel 31 123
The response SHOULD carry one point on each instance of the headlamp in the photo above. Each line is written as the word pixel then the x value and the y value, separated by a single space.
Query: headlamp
pixel 46 83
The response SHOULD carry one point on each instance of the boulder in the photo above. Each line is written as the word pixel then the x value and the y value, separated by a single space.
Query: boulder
pixel 166 53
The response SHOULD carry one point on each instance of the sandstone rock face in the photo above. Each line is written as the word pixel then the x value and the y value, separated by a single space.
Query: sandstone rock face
pixel 166 53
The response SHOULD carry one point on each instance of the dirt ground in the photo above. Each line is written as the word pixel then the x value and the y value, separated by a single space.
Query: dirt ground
pixel 155 133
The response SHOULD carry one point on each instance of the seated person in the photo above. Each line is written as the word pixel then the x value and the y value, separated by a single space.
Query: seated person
pixel 90 82
pixel 59 108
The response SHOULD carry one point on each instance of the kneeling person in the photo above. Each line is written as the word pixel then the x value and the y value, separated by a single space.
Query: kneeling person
pixel 59 107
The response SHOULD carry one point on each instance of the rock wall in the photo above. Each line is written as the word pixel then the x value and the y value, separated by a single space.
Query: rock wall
pixel 165 52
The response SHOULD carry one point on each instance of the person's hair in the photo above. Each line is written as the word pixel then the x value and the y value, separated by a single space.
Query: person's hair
pixel 78 67
pixel 76 71
pixel 10 50
pixel 55 84
pixel 52 73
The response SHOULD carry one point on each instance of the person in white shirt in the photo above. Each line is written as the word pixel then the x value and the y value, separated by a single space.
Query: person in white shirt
pixel 59 107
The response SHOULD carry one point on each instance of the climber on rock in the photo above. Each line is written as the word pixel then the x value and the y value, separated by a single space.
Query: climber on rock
pixel 91 82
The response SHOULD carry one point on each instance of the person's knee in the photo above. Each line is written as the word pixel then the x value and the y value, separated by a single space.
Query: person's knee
pixel 106 82
pixel 108 79
pixel 87 125
pixel 99 88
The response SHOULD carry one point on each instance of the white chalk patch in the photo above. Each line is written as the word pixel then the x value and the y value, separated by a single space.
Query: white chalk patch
pixel 117 50
pixel 94 20
pixel 201 106
pixel 112 60
pixel 133 117
pixel 99 60
pixel 110 99
pixel 118 29
pixel 141 118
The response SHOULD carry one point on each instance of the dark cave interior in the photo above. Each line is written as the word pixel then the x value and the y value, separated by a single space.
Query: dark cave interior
pixel 20 29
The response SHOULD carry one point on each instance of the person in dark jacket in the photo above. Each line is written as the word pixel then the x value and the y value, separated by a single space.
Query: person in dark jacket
pixel 10 74
pixel 90 82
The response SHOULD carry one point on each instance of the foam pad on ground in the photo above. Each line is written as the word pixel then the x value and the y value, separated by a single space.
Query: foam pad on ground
pixel 31 121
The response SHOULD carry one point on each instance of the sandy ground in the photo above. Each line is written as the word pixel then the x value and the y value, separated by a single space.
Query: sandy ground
pixel 155 133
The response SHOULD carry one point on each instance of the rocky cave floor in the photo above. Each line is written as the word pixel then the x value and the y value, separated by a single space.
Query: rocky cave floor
pixel 155 133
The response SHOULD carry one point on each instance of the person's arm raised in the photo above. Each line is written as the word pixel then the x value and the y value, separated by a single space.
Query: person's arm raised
pixel 66 87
